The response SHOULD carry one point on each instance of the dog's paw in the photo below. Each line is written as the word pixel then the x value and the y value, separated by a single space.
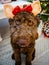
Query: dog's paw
pixel 28 63
pixel 17 63
pixel 13 56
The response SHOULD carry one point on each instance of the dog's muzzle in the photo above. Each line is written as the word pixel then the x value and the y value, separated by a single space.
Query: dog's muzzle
pixel 22 43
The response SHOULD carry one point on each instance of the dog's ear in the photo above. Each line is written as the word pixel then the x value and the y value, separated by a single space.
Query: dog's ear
pixel 35 34
pixel 12 25
pixel 11 21
pixel 36 7
pixel 37 20
pixel 8 10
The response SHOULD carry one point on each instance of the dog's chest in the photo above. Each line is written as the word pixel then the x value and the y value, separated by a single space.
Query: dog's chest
pixel 23 50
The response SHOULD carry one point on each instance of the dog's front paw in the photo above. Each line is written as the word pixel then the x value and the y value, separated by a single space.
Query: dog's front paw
pixel 17 63
pixel 28 63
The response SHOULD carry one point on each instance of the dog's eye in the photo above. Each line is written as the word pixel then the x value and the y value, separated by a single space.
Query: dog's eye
pixel 30 23
pixel 17 22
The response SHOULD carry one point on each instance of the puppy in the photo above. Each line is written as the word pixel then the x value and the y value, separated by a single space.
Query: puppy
pixel 23 25
pixel 23 35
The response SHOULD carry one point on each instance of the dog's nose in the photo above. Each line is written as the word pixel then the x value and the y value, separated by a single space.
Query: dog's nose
pixel 22 42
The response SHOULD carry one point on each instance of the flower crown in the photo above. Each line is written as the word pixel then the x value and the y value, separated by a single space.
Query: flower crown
pixel 34 7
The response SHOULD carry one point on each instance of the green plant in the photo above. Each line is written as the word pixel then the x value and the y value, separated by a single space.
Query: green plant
pixel 45 10
pixel 45 6
pixel 30 0
pixel 44 15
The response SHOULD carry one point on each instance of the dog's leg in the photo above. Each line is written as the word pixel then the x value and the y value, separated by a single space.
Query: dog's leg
pixel 17 62
pixel 33 55
pixel 28 59
pixel 29 55
pixel 17 57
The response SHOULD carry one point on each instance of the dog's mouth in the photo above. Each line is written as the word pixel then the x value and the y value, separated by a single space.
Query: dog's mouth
pixel 22 43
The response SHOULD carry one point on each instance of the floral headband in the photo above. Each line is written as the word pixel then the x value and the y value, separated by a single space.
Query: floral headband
pixel 10 12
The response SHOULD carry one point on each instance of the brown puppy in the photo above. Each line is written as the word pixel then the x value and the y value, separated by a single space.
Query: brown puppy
pixel 23 25
pixel 23 35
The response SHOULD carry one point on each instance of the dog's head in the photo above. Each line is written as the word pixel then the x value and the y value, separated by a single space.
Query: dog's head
pixel 24 28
